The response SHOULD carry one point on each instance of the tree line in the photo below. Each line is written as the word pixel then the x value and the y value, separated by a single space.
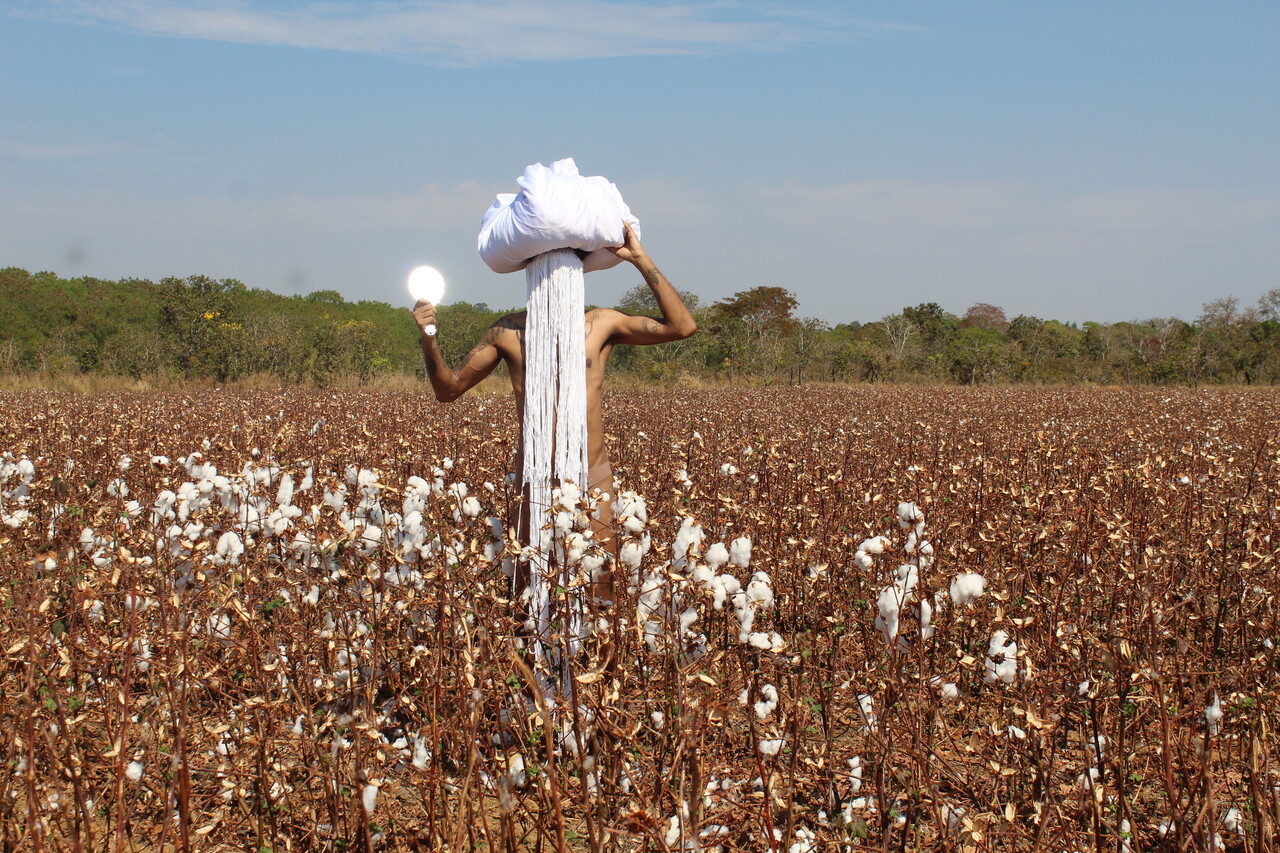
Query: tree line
pixel 221 330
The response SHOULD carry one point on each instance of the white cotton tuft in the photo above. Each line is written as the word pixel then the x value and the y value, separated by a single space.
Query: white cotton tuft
pixel 909 515
pixel 230 547
pixel 1001 663
pixel 134 771
pixel 219 625
pixel 717 555
pixel 1213 715
pixel 967 588
pixel 688 539
pixel 767 703
pixel 740 552
pixel 866 710
pixel 284 494
pixel 760 591
pixel 855 774
pixel 771 746
pixel 369 798
pixel 875 545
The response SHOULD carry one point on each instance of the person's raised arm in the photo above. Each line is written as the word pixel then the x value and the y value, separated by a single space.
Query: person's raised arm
pixel 450 384
pixel 676 323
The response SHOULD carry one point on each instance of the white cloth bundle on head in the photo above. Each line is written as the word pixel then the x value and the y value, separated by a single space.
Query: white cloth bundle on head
pixel 556 208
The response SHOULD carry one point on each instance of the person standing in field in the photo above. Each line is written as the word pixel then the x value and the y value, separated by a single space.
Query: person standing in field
pixel 603 328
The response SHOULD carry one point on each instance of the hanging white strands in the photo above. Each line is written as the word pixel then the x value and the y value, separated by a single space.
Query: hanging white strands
pixel 555 409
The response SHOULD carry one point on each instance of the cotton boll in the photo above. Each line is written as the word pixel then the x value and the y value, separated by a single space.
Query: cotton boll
pixel 890 603
pixel 134 771
pixel 717 555
pixel 687 618
pixel 421 755
pixel 768 701
pixel 688 539
pixel 866 710
pixel 284 494
pixel 772 746
pixel 924 612
pixel 909 515
pixel 219 625
pixel 470 507
pixel 862 560
pixel 230 547
pixel 875 545
pixel 369 798
pixel 1213 715
pixel 908 577
pixel 1001 663
pixel 760 591
pixel 740 552
pixel 142 654
pixel 805 842
pixel 631 554
pixel 723 587
pixel 855 774
pixel 967 588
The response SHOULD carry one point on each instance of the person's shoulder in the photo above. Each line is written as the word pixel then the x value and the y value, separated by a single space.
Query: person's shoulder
pixel 605 315
pixel 513 322
pixel 505 330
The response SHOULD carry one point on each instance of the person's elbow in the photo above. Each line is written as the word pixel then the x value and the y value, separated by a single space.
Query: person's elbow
pixel 447 393
pixel 684 329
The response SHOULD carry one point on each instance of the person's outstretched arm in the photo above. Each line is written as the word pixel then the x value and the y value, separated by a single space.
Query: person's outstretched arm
pixel 676 323
pixel 450 384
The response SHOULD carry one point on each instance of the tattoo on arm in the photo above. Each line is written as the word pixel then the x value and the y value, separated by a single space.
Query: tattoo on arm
pixel 652 326
pixel 652 276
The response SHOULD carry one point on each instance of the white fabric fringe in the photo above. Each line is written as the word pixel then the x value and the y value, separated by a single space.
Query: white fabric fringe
pixel 555 412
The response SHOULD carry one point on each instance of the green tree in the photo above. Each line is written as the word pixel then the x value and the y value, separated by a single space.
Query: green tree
pixel 977 355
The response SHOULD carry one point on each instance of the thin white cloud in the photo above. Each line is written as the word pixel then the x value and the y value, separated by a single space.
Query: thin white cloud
pixel 1014 209
pixel 80 150
pixel 463 32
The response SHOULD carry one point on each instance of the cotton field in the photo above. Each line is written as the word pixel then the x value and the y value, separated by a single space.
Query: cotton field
pixel 840 619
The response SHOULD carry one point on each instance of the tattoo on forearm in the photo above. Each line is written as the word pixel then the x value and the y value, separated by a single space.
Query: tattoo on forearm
pixel 652 276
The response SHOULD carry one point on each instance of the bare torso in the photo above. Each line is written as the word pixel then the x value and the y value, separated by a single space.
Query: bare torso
pixel 508 338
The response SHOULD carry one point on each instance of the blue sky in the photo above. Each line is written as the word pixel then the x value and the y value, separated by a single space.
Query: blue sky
pixel 1078 161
